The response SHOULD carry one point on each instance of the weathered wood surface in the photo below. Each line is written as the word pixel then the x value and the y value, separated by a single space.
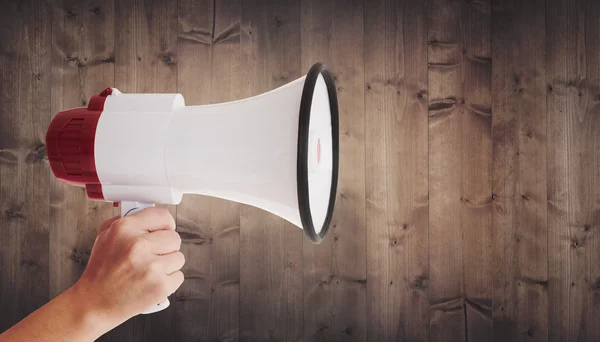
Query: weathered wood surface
pixel 396 134
pixel 271 288
pixel 460 159
pixel 573 137
pixel 469 195
pixel 520 240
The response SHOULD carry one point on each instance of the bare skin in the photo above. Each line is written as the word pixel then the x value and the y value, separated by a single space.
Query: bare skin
pixel 135 263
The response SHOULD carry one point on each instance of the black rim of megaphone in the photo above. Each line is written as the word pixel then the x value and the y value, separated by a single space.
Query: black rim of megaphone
pixel 302 162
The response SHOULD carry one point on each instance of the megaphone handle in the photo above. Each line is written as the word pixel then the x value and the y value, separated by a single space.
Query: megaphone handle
pixel 131 207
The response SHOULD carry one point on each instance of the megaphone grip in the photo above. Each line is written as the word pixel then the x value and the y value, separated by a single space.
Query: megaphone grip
pixel 131 207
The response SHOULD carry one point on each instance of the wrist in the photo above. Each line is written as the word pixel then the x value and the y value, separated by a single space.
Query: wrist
pixel 91 318
pixel 71 316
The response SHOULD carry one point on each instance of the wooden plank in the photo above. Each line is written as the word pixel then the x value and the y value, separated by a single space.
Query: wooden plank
pixel 592 29
pixel 335 270
pixel 476 164
pixel 208 72
pixel 396 171
pixel 82 55
pixel 25 40
pixel 573 130
pixel 445 128
pixel 460 151
pixel 146 47
pixel 145 62
pixel 520 305
pixel 271 297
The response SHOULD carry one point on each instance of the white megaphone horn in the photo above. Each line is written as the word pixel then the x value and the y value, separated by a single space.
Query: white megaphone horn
pixel 277 151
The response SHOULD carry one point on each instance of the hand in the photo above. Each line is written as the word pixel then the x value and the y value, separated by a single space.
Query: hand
pixel 135 263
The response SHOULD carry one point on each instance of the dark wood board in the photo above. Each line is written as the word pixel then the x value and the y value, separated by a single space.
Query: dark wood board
pixel 396 196
pixel 25 43
pixel 209 62
pixel 271 296
pixel 460 149
pixel 145 62
pixel 520 266
pixel 573 132
pixel 335 270
pixel 82 65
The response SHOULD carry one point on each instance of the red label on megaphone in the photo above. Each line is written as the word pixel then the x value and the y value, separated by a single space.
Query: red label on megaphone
pixel 319 151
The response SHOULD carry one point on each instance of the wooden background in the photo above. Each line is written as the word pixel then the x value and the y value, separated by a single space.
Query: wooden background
pixel 469 194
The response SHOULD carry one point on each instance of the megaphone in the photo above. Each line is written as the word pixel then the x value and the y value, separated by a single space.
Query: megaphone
pixel 277 151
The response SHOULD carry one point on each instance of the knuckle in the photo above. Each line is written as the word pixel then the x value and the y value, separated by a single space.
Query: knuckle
pixel 166 216
pixel 137 246
pixel 154 268
pixel 176 239
pixel 161 212
pixel 182 258
pixel 120 225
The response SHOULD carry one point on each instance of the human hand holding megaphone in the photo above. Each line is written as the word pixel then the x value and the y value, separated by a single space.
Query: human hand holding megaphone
pixel 135 263
pixel 277 151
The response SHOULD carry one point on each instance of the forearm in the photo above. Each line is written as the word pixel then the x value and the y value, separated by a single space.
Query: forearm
pixel 135 263
pixel 69 317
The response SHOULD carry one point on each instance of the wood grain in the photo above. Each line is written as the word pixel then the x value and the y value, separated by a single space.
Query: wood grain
pixel 145 62
pixel 476 222
pixel 335 270
pixel 82 55
pixel 271 296
pixel 396 171
pixel 573 130
pixel 146 46
pixel 476 166
pixel 460 151
pixel 207 304
pixel 520 307
pixel 592 29
pixel 24 115
pixel 445 128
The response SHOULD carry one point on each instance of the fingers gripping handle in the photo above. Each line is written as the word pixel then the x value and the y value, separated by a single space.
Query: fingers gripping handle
pixel 131 207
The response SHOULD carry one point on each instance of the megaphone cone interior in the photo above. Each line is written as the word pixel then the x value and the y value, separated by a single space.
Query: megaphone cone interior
pixel 277 151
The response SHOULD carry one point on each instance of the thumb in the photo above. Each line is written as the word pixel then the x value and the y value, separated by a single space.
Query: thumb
pixel 104 226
